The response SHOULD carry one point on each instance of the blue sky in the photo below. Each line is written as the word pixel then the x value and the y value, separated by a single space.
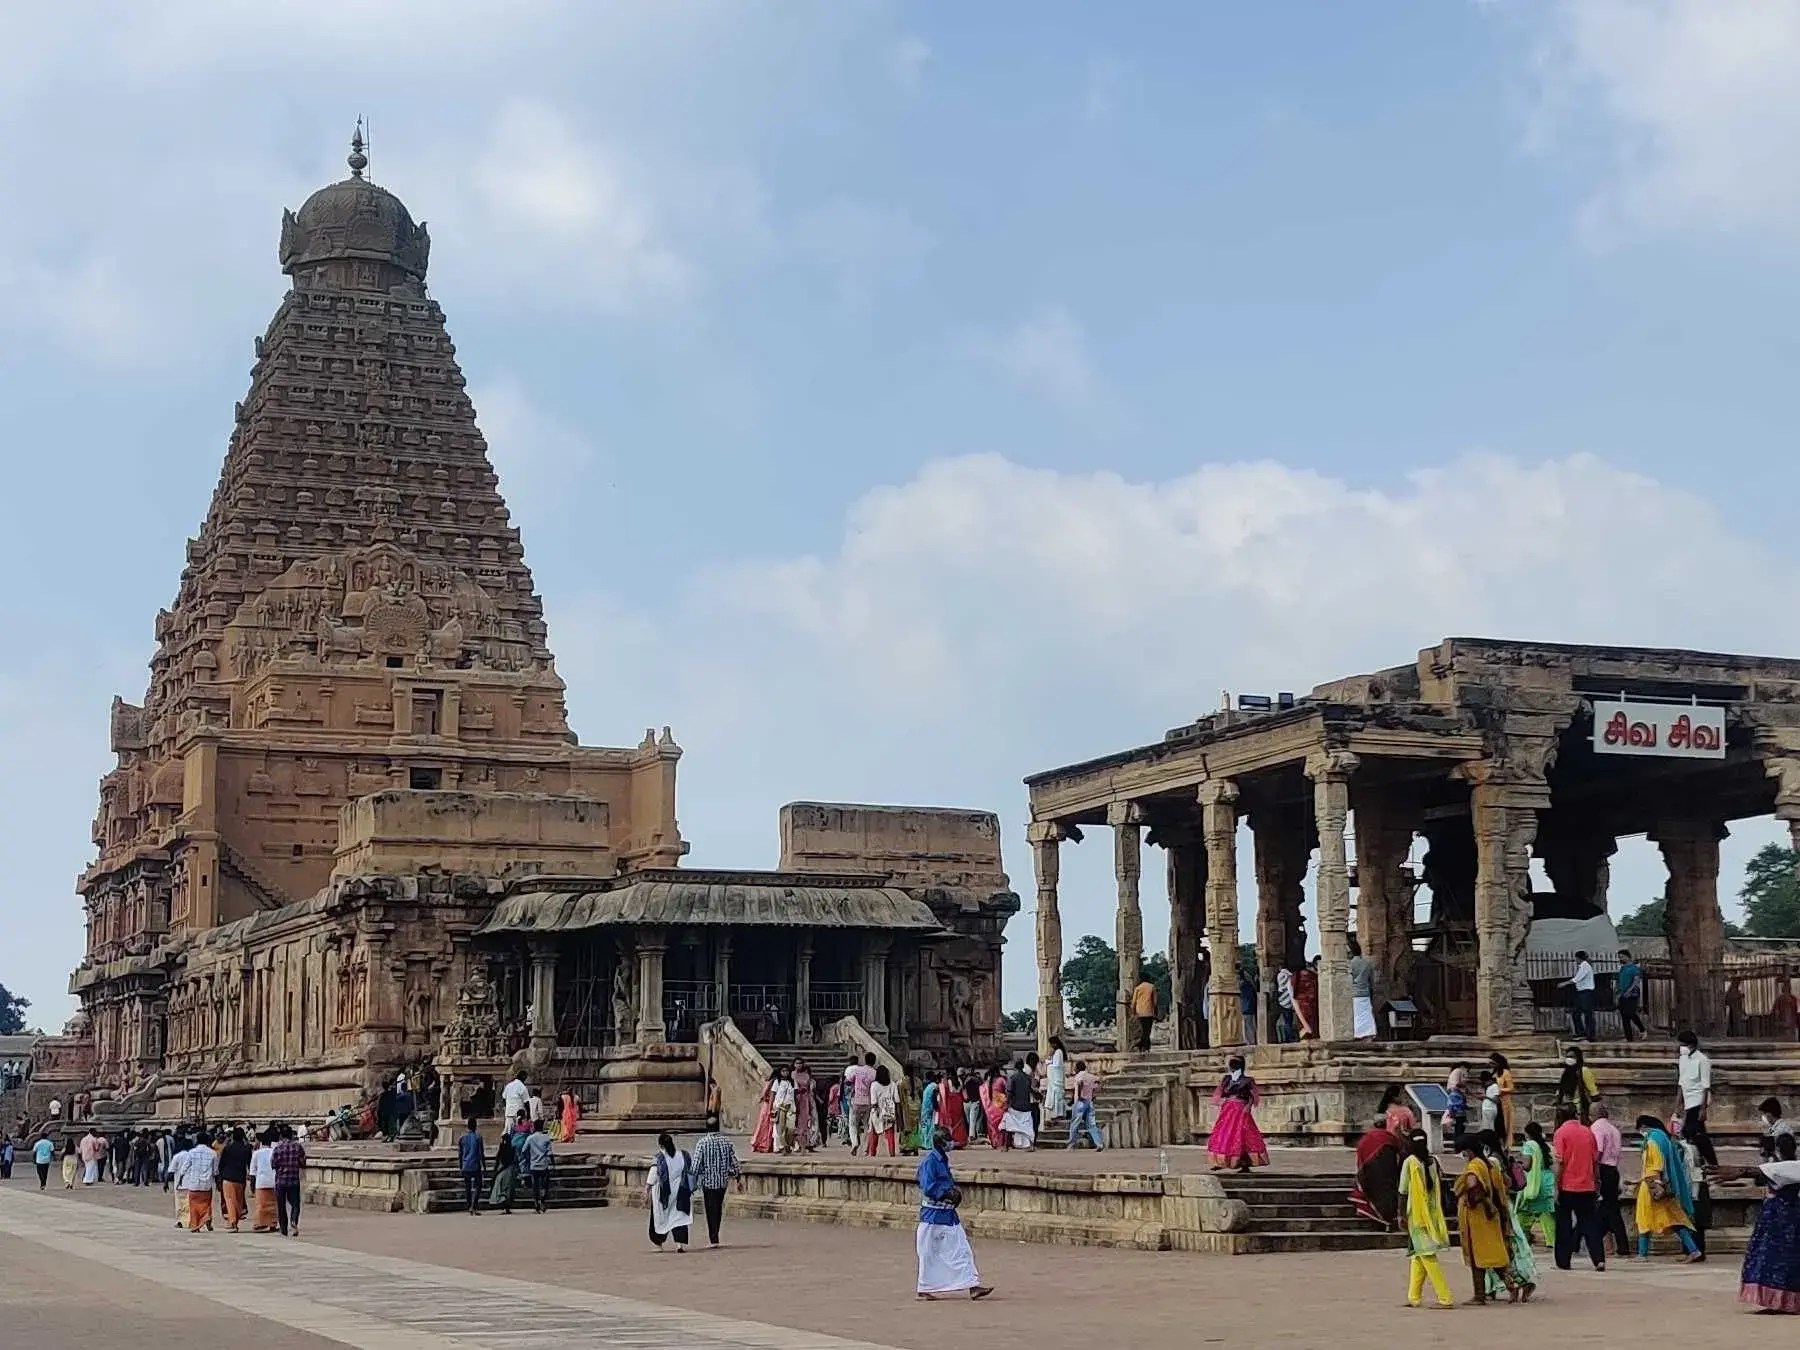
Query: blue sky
pixel 901 399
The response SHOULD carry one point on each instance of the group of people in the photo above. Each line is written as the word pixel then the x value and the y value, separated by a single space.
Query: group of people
pixel 1565 1189
pixel 868 1106
pixel 525 1153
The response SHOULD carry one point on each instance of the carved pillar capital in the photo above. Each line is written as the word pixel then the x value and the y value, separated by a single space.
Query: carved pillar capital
pixel 1333 765
pixel 1217 792
pixel 1124 813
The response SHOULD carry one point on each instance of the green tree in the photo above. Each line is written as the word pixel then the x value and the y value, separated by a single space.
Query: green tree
pixel 1090 981
pixel 1023 1020
pixel 12 1012
pixel 1771 893
pixel 1647 920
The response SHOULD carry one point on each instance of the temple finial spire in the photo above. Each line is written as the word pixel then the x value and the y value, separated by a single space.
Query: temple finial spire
pixel 358 161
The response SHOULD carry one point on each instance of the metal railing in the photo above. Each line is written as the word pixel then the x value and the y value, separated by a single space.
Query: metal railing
pixel 836 999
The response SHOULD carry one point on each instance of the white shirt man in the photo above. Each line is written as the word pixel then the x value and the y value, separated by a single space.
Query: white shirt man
pixel 535 1104
pixel 516 1095
pixel 1584 977
pixel 197 1169
pixel 1694 1072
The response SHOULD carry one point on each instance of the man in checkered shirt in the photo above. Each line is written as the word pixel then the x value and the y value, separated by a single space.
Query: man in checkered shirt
pixel 716 1164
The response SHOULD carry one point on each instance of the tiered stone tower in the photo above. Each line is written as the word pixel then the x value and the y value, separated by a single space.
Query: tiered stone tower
pixel 355 621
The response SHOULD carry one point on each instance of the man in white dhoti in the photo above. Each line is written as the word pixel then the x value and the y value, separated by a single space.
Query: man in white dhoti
pixel 1362 994
pixel 946 1262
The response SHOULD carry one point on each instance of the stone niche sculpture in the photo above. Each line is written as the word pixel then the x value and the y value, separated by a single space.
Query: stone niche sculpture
pixel 472 1059
pixel 365 606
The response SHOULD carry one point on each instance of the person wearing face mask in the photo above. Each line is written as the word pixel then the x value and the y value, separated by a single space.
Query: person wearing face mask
pixel 1693 1072
pixel 1235 1140
pixel 1577 1087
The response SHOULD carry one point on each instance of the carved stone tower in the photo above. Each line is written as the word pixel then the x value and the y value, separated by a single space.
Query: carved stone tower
pixel 355 616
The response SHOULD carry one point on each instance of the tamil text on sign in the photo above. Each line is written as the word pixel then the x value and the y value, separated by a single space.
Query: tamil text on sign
pixel 1677 730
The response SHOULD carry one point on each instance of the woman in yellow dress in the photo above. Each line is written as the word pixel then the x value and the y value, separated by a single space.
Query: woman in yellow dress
pixel 1504 1079
pixel 1422 1207
pixel 1481 1220
pixel 1665 1198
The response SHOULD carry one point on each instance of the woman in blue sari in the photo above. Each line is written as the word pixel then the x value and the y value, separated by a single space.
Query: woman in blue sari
pixel 928 1113
pixel 1771 1279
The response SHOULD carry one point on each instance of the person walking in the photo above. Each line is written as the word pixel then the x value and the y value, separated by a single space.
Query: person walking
pixel 1427 1234
pixel 196 1172
pixel 515 1096
pixel 1536 1203
pixel 1020 1120
pixel 1665 1196
pixel 288 1159
pixel 883 1115
pixel 1143 1011
pixel 1609 1144
pixel 262 1184
pixel 1628 992
pixel 806 1108
pixel 670 1182
pixel 234 1176
pixel 43 1153
pixel 1286 1031
pixel 506 1173
pixel 1582 982
pixel 1362 994
pixel 537 1161
pixel 471 1161
pixel 165 1154
pixel 715 1167
pixel 1056 1077
pixel 1693 1071
pixel 1081 1109
pixel 1577 1191
pixel 1577 1087
pixel 946 1261
pixel 1520 1263
pixel 1235 1141
pixel 1480 1222
pixel 861 1079
pixel 1505 1087
pixel 785 1108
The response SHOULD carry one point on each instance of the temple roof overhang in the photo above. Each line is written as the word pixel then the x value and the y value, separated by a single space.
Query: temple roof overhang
pixel 679 897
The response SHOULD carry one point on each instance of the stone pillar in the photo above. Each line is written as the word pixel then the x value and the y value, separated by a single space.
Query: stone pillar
pixel 1692 921
pixel 1384 899
pixel 1126 821
pixel 1218 802
pixel 1187 900
pixel 803 1023
pixel 1504 802
pixel 543 996
pixel 651 1030
pixel 1283 843
pixel 1577 866
pixel 1330 771
pixel 722 973
pixel 1046 838
pixel 874 982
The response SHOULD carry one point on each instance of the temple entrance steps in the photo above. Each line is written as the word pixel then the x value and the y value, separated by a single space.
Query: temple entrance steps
pixel 1138 1105
pixel 578 1181
pixel 1304 1214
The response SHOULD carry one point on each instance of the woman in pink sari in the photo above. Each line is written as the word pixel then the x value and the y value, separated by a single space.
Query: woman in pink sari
pixel 763 1140
pixel 1235 1141
pixel 993 1104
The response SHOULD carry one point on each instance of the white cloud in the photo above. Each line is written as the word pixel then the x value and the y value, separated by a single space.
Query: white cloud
pixel 1047 354
pixel 1697 103
pixel 86 307
pixel 911 55
pixel 861 247
pixel 564 213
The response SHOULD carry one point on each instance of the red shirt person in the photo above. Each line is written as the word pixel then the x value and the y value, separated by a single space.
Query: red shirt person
pixel 1577 1191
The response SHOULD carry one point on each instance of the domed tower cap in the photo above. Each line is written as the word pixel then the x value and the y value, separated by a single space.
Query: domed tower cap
pixel 354 219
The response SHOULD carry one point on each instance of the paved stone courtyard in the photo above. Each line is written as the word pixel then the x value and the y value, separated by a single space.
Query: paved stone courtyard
pixel 589 1278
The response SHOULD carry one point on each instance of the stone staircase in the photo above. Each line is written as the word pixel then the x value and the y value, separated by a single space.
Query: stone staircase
pixel 1305 1214
pixel 1142 1105
pixel 578 1181
pixel 263 890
